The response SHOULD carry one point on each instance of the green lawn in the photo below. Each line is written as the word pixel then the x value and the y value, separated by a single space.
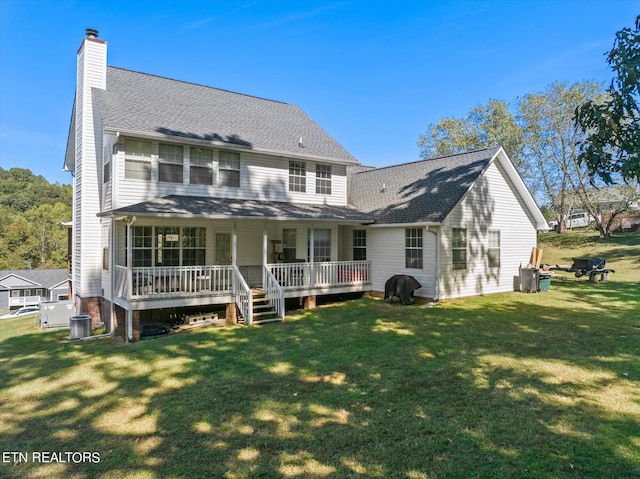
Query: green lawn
pixel 504 386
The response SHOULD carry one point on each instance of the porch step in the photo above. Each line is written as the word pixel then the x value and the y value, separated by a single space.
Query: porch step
pixel 263 310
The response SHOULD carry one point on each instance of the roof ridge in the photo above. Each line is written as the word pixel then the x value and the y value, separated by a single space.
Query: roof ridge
pixel 201 85
pixel 426 159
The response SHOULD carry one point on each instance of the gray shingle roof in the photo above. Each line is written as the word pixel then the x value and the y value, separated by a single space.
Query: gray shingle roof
pixel 422 191
pixel 160 106
pixel 192 206
pixel 46 278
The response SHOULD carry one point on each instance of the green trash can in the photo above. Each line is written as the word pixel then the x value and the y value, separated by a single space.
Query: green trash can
pixel 544 282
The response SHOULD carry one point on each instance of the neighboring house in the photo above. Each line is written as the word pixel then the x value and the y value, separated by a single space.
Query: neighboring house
pixel 27 287
pixel 186 195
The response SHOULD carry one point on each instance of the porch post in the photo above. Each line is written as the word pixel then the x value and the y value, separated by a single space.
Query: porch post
pixel 312 280
pixel 234 244
pixel 264 252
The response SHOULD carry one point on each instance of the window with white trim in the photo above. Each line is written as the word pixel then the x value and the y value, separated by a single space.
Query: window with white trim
pixel 229 169
pixel 223 248
pixel 194 246
pixel 142 245
pixel 167 246
pixel 170 161
pixel 321 245
pixel 413 248
pixel 137 160
pixel 323 179
pixel 494 248
pixel 297 176
pixel 459 248
pixel 359 245
pixel 200 166
pixel 289 239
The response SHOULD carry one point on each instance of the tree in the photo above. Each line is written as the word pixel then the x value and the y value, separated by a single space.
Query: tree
pixel 550 142
pixel 612 125
pixel 484 126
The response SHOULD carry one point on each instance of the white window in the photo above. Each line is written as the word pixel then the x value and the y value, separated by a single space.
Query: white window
pixel 459 248
pixel 194 246
pixel 413 248
pixel 229 169
pixel 200 166
pixel 289 245
pixel 297 176
pixel 15 293
pixel 494 248
pixel 137 160
pixel 167 246
pixel 323 179
pixel 359 245
pixel 223 248
pixel 170 161
pixel 321 245
pixel 142 245
pixel 39 293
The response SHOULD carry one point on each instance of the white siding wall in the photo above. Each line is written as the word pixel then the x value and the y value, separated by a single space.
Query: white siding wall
pixel 91 73
pixel 386 248
pixel 262 177
pixel 491 204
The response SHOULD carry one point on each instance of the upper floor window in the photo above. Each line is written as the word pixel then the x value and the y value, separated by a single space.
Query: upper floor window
pixel 229 169
pixel 323 179
pixel 297 176
pixel 494 248
pixel 170 160
pixel 413 248
pixel 459 248
pixel 200 166
pixel 359 245
pixel 137 159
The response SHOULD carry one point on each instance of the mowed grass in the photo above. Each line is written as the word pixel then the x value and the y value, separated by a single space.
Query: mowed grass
pixel 504 386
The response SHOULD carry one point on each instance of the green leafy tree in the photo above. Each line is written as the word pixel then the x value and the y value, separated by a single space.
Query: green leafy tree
pixel 484 126
pixel 611 148
pixel 550 143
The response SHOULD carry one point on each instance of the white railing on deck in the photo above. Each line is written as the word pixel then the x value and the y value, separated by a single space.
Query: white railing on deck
pixel 243 297
pixel 324 274
pixel 161 281
pixel 274 292
pixel 25 300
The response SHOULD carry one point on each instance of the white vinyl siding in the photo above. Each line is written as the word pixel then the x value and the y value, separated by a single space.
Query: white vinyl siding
pixel 261 177
pixel 492 204
pixel 385 248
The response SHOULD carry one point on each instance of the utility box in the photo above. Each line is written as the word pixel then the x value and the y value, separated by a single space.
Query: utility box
pixel 79 326
pixel 55 314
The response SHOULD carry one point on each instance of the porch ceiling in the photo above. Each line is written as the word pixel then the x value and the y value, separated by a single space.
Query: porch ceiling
pixel 225 208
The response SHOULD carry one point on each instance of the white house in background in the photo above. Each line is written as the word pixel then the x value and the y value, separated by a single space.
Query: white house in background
pixel 190 196
pixel 28 287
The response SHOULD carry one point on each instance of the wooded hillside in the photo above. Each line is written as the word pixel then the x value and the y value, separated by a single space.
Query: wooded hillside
pixel 31 210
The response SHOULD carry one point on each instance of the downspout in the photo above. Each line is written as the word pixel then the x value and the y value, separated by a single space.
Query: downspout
pixel 112 308
pixel 437 282
pixel 130 275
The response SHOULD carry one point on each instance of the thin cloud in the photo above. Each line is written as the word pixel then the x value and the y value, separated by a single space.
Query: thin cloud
pixel 206 21
pixel 299 16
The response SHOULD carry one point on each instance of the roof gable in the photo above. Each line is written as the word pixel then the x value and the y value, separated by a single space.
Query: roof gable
pixel 155 106
pixel 45 278
pixel 419 192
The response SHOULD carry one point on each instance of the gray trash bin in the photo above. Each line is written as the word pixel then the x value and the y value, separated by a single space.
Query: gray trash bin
pixel 79 326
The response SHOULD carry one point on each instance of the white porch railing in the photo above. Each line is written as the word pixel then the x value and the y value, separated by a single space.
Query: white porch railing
pixel 243 296
pixel 162 281
pixel 25 300
pixel 324 274
pixel 274 292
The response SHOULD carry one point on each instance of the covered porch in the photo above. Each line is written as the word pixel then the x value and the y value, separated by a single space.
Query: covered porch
pixel 191 260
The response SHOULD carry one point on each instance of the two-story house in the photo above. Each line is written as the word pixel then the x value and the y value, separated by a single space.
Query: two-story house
pixel 188 195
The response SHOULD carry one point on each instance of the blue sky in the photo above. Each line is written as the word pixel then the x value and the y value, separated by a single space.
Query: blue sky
pixel 373 74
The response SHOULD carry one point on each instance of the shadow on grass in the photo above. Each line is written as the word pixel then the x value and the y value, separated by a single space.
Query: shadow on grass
pixel 510 387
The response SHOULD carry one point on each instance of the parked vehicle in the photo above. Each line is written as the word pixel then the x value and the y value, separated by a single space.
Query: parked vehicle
pixel 575 220
pixel 21 312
